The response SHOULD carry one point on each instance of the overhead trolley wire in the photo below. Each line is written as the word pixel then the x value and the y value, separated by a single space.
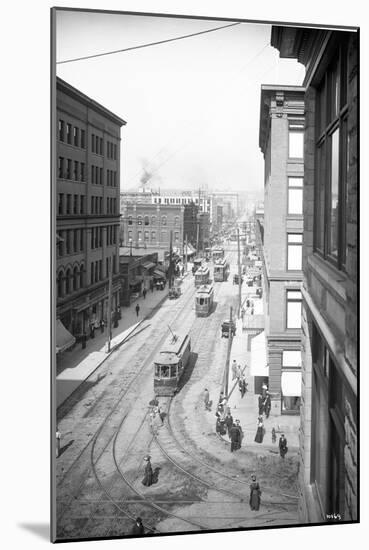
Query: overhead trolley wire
pixel 146 45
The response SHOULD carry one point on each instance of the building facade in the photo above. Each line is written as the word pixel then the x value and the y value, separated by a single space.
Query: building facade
pixel 328 432
pixel 148 226
pixel 87 208
pixel 281 142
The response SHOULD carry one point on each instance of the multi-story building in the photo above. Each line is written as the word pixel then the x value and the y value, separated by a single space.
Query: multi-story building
pixel 87 208
pixel 281 142
pixel 190 223
pixel 229 201
pixel 328 431
pixel 149 226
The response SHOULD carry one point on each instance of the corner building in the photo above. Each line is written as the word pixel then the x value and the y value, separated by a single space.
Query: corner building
pixel 328 432
pixel 281 142
pixel 87 208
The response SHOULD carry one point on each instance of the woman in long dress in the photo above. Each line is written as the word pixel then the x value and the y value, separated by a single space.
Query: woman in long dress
pixel 260 431
pixel 254 494
pixel 147 480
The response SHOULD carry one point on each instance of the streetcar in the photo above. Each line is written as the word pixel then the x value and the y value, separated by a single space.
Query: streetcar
pixel 221 270
pixel 218 253
pixel 204 300
pixel 170 363
pixel 202 276
pixel 196 264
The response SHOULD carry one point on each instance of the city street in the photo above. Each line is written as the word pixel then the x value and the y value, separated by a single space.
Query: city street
pixel 199 484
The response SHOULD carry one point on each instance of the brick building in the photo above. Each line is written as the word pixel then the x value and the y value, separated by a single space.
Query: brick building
pixel 87 208
pixel 328 432
pixel 281 142
pixel 148 226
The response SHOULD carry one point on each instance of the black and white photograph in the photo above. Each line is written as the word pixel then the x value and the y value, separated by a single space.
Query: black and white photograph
pixel 204 204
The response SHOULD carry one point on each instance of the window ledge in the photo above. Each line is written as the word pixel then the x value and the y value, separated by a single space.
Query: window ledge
pixel 331 276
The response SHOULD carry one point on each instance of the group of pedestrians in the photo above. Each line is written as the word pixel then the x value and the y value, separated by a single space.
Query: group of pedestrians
pixel 156 419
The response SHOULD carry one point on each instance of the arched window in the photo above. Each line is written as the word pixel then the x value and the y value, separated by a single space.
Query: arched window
pixel 68 276
pixel 176 220
pixel 60 284
pixel 147 220
pixel 81 271
pixel 129 220
pixel 75 278
pixel 139 220
pixel 153 220
pixel 163 220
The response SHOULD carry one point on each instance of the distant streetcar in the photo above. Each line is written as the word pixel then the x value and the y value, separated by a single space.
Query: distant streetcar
pixel 218 253
pixel 204 300
pixel 202 276
pixel 221 270
pixel 170 363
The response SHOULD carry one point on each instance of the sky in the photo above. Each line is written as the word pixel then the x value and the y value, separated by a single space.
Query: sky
pixel 192 106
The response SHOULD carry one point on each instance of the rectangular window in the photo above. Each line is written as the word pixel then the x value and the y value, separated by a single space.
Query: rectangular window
pixel 82 205
pixel 61 167
pixel 81 240
pixel 92 271
pixel 68 241
pixel 76 136
pixel 60 203
pixel 61 130
pixel 83 139
pixel 294 251
pixel 296 144
pixel 93 143
pixel 333 214
pixel 83 171
pixel 97 145
pixel 294 301
pixel 101 146
pixel 101 176
pixel 75 240
pixel 75 171
pixel 291 358
pixel 69 169
pixel 69 133
pixel 75 204
pixel 115 152
pixel 295 190
pixel 69 203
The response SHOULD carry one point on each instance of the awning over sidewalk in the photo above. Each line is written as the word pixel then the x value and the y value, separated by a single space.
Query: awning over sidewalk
pixel 291 384
pixel 158 273
pixel 148 265
pixel 64 339
pixel 189 250
pixel 259 365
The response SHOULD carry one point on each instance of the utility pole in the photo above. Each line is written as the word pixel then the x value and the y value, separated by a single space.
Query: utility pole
pixel 239 273
pixel 109 303
pixel 170 258
pixel 230 338
pixel 198 232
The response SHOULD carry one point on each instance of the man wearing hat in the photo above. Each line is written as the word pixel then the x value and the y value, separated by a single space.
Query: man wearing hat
pixel 283 446
pixel 236 436
pixel 138 528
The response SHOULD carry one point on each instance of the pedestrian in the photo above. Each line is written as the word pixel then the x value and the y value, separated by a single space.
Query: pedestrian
pixel 255 494
pixel 261 404
pixel 102 326
pixel 267 404
pixel 58 439
pixel 234 369
pixel 283 446
pixel 235 436
pixel 274 436
pixel 252 311
pixel 84 340
pixel 242 313
pixel 238 371
pixel 96 324
pixel 92 330
pixel 138 528
pixel 242 384
pixel 207 400
pixel 260 431
pixel 229 423
pixel 160 414
pixel 264 389
pixel 137 309
pixel 220 423
pixel 144 293
pixel 147 480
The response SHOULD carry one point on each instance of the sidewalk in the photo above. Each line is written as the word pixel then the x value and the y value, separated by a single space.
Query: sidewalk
pixel 75 365
pixel 246 409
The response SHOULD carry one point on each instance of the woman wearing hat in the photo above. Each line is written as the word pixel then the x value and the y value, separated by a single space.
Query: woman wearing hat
pixel 147 480
pixel 254 494
pixel 260 431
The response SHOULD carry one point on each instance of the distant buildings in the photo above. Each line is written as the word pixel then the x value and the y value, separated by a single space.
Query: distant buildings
pixel 281 141
pixel 328 432
pixel 87 208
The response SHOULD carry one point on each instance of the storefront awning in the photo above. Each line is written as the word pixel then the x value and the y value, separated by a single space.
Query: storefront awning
pixel 138 279
pixel 291 384
pixel 159 273
pixel 189 250
pixel 148 265
pixel 64 339
pixel 259 365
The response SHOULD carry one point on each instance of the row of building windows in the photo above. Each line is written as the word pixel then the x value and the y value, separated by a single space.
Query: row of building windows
pixel 71 170
pixel 111 178
pixel 72 241
pixel 73 279
pixel 71 134
pixel 147 235
pixel 145 220
pixel 96 144
pixel 71 204
pixel 97 177
pixel 111 150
